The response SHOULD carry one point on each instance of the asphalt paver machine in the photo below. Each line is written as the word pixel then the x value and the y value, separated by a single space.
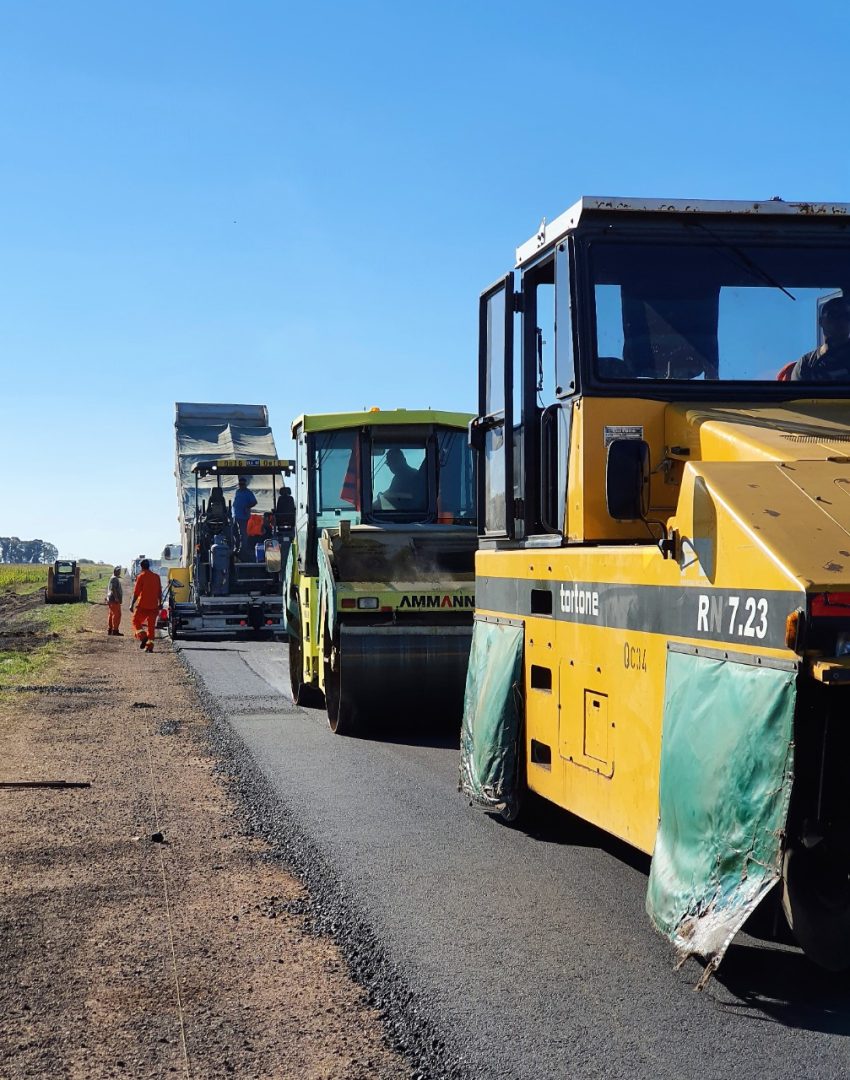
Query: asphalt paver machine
pixel 233 583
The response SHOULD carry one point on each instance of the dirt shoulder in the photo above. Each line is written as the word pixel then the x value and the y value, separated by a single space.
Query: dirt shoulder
pixel 126 956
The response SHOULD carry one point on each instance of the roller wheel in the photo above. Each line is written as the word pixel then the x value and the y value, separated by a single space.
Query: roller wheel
pixel 342 716
pixel 816 902
pixel 302 693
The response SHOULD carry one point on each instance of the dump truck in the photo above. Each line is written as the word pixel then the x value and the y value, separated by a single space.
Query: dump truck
pixel 227 583
pixel 379 583
pixel 662 629
pixel 63 583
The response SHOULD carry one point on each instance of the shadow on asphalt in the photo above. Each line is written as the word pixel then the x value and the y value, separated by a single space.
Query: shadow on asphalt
pixel 782 986
pixel 414 731
pixel 546 823
pixel 235 639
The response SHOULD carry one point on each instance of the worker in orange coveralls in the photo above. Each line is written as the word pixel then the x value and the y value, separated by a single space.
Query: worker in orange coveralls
pixel 147 600
pixel 114 599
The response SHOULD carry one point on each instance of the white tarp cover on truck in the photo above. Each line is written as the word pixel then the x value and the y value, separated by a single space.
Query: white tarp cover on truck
pixel 210 432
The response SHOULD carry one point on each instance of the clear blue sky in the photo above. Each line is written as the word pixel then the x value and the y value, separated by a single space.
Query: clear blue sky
pixel 298 204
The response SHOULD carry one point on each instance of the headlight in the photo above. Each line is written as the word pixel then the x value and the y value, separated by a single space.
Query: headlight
pixel 370 603
pixel 842 645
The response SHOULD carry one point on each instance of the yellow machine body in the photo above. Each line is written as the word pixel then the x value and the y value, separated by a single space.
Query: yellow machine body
pixel 760 521
pixel 662 624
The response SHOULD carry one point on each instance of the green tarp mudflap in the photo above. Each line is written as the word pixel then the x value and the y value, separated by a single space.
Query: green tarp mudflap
pixel 492 717
pixel 725 786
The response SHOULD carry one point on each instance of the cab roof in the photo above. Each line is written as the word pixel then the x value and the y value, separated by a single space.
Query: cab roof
pixel 588 205
pixel 383 417
pixel 244 467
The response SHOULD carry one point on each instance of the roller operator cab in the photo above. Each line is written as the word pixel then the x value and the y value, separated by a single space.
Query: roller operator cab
pixel 662 626
pixel 380 579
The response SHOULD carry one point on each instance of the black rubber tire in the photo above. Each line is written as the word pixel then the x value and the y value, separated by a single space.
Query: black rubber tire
pixel 816 902
pixel 84 594
pixel 342 716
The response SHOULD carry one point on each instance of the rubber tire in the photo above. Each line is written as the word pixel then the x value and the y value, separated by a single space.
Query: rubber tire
pixel 818 916
pixel 169 628
pixel 84 595
pixel 342 716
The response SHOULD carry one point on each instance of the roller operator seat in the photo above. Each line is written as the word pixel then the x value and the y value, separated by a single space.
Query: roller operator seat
pixel 216 510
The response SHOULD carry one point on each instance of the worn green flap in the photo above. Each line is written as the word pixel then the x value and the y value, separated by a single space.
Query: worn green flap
pixel 726 761
pixel 492 716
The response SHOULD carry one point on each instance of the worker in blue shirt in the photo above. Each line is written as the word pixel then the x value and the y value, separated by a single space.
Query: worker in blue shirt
pixel 243 500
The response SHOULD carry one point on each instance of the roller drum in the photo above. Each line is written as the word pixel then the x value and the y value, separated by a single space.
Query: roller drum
pixel 399 671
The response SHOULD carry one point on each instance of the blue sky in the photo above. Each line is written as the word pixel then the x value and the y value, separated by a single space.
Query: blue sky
pixel 298 204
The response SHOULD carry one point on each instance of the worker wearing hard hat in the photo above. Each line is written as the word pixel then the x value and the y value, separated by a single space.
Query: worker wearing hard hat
pixel 147 601
pixel 114 599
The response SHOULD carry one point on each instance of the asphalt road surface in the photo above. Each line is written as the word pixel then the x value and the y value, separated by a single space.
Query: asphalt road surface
pixel 528 951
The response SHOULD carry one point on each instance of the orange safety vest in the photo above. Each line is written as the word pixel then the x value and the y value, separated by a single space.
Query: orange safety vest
pixel 255 525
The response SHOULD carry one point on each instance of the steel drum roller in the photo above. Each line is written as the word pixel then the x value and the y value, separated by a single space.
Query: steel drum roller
pixel 384 667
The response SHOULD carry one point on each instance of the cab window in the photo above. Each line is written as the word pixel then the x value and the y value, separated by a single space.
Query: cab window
pixel 399 478
pixel 338 477
pixel 718 310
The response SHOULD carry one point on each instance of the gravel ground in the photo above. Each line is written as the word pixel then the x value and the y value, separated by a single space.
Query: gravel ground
pixel 145 933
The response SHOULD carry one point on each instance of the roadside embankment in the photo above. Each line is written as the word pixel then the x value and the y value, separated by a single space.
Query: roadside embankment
pixel 144 933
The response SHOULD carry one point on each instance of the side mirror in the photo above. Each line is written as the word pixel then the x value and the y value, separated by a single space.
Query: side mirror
pixel 627 480
pixel 475 434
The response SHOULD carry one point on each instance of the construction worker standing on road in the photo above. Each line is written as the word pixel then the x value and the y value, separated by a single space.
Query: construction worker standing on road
pixel 114 600
pixel 243 500
pixel 147 600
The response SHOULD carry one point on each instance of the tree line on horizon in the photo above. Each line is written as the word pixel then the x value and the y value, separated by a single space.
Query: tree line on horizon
pixel 15 550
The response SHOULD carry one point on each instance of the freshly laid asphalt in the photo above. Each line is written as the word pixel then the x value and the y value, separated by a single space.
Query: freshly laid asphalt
pixel 499 952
